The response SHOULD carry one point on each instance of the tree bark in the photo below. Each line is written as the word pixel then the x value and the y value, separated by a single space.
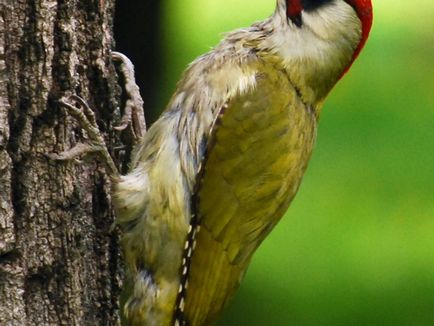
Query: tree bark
pixel 59 262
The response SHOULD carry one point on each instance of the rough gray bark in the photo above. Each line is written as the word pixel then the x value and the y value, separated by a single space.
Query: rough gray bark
pixel 59 264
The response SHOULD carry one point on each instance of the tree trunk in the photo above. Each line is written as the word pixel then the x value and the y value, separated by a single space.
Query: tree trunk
pixel 59 262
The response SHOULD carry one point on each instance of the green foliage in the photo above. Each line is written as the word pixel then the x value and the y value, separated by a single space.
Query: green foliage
pixel 357 245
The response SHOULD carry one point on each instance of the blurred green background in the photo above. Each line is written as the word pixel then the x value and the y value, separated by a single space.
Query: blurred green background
pixel 357 245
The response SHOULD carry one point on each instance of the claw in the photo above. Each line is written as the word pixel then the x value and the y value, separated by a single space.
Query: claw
pixel 87 110
pixel 133 113
pixel 126 119
pixel 76 151
pixel 95 144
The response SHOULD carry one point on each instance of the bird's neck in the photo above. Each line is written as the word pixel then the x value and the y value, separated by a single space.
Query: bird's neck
pixel 316 54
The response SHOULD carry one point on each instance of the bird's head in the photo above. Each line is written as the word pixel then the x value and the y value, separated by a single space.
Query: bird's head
pixel 318 40
pixel 295 9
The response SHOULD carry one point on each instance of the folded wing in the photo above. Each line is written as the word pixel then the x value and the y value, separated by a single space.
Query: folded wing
pixel 256 155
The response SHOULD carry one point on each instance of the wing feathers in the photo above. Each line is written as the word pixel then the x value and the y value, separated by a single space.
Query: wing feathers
pixel 255 159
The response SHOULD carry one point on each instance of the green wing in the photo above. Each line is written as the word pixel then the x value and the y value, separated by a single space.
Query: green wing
pixel 257 153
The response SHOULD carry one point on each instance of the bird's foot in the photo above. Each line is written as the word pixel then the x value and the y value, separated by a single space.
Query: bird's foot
pixel 133 112
pixel 133 115
pixel 81 111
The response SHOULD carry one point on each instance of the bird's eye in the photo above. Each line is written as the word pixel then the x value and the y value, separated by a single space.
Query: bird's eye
pixel 310 5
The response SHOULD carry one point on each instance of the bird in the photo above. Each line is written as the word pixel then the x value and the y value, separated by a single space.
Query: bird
pixel 216 172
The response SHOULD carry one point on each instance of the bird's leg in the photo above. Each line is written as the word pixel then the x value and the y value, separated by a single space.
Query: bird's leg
pixel 133 112
pixel 95 143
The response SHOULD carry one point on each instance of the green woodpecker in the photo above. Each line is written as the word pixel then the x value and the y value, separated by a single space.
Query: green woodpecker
pixel 212 177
